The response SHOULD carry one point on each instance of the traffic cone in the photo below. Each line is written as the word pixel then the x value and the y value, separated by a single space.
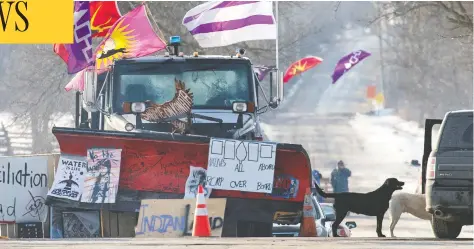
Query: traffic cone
pixel 201 227
pixel 308 224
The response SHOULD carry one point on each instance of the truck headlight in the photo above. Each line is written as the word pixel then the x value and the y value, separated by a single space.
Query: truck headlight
pixel 138 107
pixel 239 107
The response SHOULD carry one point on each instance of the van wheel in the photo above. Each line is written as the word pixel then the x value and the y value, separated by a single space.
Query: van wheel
pixel 445 229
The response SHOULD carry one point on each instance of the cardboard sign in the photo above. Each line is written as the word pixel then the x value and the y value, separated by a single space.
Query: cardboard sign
pixel 69 178
pixel 241 165
pixel 167 218
pixel 24 186
pixel 102 177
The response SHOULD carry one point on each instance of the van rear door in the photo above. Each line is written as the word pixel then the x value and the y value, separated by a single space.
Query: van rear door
pixel 454 159
pixel 429 123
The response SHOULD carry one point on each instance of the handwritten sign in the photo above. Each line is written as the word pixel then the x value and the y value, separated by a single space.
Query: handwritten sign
pixel 167 218
pixel 102 177
pixel 241 165
pixel 24 186
pixel 285 186
pixel 69 178
pixel 197 176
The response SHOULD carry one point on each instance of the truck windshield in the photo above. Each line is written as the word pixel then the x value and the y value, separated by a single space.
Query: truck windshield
pixel 213 85
pixel 457 132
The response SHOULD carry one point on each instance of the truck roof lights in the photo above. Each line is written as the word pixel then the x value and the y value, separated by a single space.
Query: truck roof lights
pixel 175 40
pixel 240 52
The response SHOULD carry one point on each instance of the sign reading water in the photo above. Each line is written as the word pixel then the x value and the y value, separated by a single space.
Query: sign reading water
pixel 241 165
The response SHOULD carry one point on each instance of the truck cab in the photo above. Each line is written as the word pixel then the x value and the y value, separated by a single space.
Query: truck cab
pixel 447 173
pixel 226 98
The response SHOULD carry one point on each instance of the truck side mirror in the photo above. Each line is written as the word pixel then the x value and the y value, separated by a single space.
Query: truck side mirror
pixel 276 88
pixel 89 96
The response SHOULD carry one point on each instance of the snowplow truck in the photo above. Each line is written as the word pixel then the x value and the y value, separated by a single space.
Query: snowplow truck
pixel 162 111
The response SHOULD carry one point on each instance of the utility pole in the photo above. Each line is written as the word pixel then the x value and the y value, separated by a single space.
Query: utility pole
pixel 381 51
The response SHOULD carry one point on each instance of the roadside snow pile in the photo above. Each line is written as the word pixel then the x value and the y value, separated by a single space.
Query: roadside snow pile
pixel 390 143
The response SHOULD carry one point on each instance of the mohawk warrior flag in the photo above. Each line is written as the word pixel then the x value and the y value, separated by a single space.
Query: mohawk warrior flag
pixel 104 14
pixel 78 55
pixel 130 37
pixel 301 66
pixel 222 23
pixel 347 62
pixel 262 71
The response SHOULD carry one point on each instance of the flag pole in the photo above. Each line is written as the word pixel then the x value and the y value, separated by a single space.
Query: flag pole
pixel 149 14
pixel 276 44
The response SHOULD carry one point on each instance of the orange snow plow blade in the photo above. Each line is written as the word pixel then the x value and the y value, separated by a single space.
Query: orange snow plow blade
pixel 160 162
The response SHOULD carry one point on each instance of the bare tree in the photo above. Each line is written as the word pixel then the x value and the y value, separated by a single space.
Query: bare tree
pixel 427 51
pixel 34 89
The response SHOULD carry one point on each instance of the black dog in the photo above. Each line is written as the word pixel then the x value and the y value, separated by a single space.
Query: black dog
pixel 374 203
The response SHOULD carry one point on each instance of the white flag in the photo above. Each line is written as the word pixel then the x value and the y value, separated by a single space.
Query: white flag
pixel 216 24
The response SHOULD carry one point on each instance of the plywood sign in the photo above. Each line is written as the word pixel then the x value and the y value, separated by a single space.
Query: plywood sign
pixel 167 218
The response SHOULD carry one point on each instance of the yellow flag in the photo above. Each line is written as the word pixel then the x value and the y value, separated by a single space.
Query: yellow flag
pixel 379 98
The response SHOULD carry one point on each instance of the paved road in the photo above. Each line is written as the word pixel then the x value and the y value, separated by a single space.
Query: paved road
pixel 317 117
pixel 221 243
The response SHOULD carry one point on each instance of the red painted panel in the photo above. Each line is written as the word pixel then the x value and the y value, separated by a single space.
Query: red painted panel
pixel 163 166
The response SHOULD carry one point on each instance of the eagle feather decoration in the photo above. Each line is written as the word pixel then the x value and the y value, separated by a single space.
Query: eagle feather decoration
pixel 181 103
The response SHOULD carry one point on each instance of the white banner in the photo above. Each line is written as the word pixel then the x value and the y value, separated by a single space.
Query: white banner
pixel 241 165
pixel 23 188
pixel 69 178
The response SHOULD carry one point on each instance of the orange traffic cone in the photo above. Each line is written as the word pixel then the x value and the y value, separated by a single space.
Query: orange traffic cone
pixel 308 224
pixel 201 227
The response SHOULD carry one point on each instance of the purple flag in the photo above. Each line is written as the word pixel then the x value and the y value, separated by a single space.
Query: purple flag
pixel 262 71
pixel 80 52
pixel 347 62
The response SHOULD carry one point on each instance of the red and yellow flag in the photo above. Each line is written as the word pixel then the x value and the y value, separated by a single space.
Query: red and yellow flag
pixel 132 36
pixel 301 66
pixel 104 14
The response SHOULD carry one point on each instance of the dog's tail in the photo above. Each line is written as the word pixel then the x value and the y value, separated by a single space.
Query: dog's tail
pixel 320 192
